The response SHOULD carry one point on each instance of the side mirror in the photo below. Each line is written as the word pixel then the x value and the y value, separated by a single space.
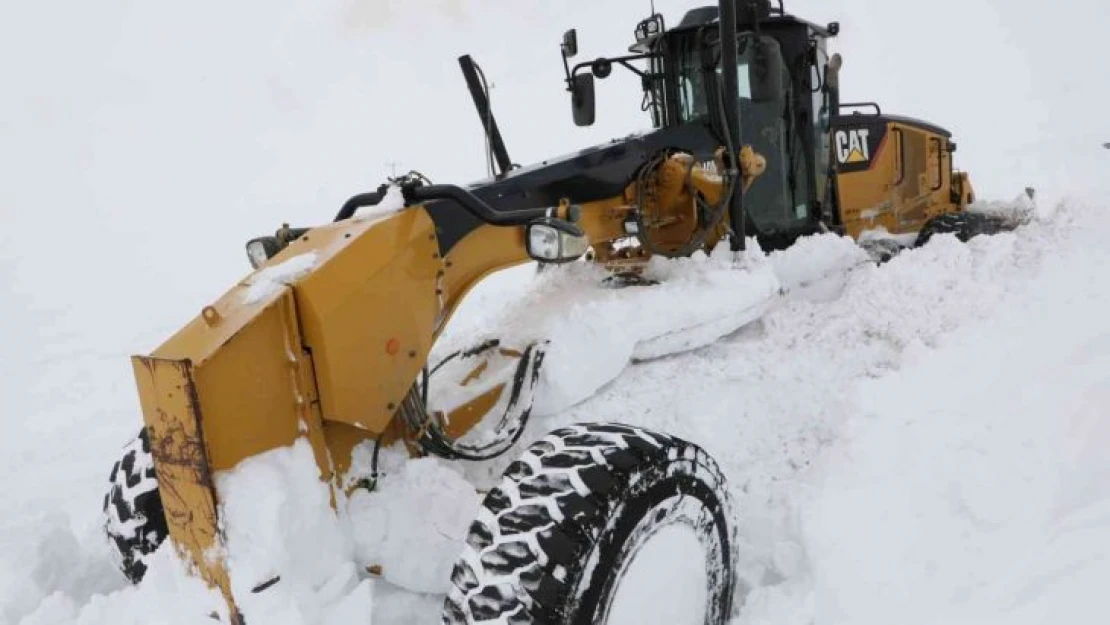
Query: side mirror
pixel 551 240
pixel 582 99
pixel 766 71
pixel 570 43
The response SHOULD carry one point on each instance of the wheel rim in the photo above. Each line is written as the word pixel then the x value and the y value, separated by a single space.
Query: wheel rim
pixel 664 575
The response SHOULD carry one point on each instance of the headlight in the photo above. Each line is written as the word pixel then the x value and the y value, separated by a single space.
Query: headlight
pixel 261 250
pixel 555 241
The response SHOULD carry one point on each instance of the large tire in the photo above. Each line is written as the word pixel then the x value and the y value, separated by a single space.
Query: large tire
pixel 965 226
pixel 553 542
pixel 135 521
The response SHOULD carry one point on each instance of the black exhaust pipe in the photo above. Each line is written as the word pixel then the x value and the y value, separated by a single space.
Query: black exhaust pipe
pixel 730 74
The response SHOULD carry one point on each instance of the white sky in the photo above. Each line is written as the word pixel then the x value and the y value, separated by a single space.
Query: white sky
pixel 141 143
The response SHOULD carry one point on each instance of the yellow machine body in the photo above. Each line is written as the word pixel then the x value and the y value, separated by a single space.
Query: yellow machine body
pixel 895 174
pixel 326 340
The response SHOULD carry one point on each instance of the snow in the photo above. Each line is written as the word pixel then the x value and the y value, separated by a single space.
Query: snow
pixel 971 485
pixel 671 562
pixel 393 202
pixel 929 428
pixel 593 332
pixel 917 442
pixel 882 235
pixel 67 586
pixel 413 523
pixel 279 524
pixel 268 281
pixel 817 264
pixel 826 413
pixel 1020 210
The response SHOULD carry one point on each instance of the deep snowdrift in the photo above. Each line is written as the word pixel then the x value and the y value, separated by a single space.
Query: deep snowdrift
pixel 917 442
pixel 972 484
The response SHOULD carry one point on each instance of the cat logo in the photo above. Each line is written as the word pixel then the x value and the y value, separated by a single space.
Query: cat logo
pixel 851 146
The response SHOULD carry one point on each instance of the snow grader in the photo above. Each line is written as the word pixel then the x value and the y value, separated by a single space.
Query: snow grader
pixel 328 340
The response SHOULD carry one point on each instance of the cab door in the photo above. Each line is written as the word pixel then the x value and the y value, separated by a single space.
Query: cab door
pixel 922 192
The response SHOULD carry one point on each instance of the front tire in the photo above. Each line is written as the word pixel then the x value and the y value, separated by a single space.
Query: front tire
pixel 134 519
pixel 558 541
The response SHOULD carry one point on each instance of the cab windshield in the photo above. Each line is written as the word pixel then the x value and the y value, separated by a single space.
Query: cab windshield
pixel 777 200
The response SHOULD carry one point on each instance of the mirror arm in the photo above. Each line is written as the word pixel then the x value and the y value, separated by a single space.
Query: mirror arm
pixel 632 68
pixel 622 60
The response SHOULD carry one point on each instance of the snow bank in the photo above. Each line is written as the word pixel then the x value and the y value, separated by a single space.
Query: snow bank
pixel 414 523
pixel 769 401
pixel 943 476
pixel 925 433
pixel 281 534
pixel 280 526
pixel 170 595
pixel 970 484
pixel 54 564
pixel 595 331
pixel 1020 210
pixel 818 266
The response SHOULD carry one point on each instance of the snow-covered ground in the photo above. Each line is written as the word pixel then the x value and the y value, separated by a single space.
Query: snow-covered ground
pixel 920 442
pixel 966 480
pixel 917 442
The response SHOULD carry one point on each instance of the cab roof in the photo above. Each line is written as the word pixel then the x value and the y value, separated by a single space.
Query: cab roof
pixel 708 15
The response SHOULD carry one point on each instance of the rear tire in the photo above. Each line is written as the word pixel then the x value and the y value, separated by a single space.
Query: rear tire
pixel 553 542
pixel 135 521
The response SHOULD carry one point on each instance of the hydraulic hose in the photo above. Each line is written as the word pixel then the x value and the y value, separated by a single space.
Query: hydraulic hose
pixel 361 200
pixel 472 204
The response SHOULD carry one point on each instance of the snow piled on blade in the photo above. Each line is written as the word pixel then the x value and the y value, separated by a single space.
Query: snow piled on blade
pixel 414 522
pixel 270 280
pixel 288 553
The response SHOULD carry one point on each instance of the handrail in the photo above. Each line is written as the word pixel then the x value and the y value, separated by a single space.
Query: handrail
pixel 361 200
pixel 901 155
pixel 472 204
pixel 940 165
pixel 856 105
